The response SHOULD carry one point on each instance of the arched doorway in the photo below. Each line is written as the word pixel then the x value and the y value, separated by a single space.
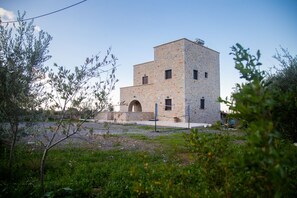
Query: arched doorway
pixel 135 106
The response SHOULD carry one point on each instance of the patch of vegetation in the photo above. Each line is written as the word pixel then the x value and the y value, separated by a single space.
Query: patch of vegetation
pixel 159 128
pixel 239 170
pixel 195 164
pixel 138 136
pixel 146 127
pixel 173 141
pixel 83 172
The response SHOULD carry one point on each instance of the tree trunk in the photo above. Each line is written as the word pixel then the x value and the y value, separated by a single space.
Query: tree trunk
pixel 42 166
pixel 14 130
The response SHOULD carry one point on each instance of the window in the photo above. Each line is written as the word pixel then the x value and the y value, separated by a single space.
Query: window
pixel 202 103
pixel 168 104
pixel 195 74
pixel 145 80
pixel 168 74
pixel 206 75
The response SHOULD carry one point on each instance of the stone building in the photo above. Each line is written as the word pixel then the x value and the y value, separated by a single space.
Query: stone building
pixel 183 79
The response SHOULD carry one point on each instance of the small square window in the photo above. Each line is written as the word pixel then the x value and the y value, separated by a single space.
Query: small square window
pixel 195 74
pixel 145 80
pixel 168 74
pixel 168 104
pixel 206 75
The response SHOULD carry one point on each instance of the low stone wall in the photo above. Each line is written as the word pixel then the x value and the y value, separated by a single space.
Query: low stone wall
pixel 125 116
pixel 104 116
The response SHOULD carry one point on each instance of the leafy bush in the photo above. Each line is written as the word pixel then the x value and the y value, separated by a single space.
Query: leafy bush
pixel 284 89
pixel 269 167
pixel 214 154
pixel 229 168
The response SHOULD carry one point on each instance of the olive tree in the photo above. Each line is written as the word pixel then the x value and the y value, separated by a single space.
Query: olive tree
pixel 23 52
pixel 85 87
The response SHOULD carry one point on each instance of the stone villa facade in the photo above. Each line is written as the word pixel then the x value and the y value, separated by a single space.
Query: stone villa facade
pixel 183 79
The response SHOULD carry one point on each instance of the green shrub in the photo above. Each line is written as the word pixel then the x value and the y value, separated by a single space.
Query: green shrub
pixel 283 86
pixel 267 161
pixel 215 156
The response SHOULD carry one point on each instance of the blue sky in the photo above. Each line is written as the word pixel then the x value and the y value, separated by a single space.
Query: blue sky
pixel 132 28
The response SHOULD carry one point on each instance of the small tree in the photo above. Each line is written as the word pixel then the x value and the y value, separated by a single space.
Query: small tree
pixel 87 87
pixel 22 54
pixel 254 104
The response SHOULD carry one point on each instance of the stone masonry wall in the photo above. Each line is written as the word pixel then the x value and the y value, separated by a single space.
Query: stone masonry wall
pixel 124 116
pixel 203 60
pixel 145 94
pixel 170 56
pixel 144 69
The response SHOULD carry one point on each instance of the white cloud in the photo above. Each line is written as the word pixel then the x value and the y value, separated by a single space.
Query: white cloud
pixel 6 15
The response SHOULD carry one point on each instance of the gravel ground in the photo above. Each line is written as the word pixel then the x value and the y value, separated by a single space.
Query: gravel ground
pixel 104 136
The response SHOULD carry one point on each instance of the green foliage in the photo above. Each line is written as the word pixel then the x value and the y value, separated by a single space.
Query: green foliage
pixel 284 89
pixel 68 92
pixel 213 165
pixel 85 88
pixel 269 168
pixel 216 143
pixel 81 92
pixel 268 101
pixel 22 54
pixel 174 142
pixel 241 170
pixel 214 152
pixel 247 64
pixel 147 127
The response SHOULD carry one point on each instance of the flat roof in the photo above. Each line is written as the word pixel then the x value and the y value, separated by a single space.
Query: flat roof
pixel 185 40
pixel 143 63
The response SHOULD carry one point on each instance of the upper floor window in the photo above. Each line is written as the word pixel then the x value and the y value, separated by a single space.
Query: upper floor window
pixel 145 80
pixel 168 104
pixel 168 74
pixel 195 74
pixel 206 75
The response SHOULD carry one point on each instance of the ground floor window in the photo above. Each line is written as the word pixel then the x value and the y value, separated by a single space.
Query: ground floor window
pixel 202 103
pixel 168 104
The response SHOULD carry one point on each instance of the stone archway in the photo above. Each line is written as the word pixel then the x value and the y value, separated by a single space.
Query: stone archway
pixel 135 106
